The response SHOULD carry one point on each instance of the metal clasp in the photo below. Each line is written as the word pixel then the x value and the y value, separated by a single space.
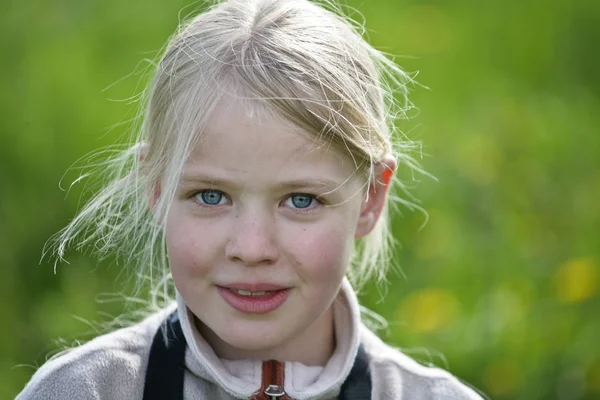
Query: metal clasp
pixel 274 391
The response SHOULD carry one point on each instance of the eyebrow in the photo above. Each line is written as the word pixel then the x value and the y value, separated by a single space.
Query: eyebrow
pixel 325 185
pixel 318 184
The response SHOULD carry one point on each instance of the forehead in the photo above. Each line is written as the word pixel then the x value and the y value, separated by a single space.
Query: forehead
pixel 243 137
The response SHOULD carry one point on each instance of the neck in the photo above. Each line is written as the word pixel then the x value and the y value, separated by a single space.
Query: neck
pixel 314 346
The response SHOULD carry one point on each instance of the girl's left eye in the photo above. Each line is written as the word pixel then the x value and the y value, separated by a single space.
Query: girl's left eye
pixel 300 201
pixel 211 197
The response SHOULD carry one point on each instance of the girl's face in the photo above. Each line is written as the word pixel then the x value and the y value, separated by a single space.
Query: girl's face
pixel 261 207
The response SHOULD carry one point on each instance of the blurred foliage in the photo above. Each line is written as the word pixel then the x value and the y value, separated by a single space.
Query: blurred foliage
pixel 501 286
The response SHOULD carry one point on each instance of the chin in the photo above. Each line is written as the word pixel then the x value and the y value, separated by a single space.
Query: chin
pixel 250 337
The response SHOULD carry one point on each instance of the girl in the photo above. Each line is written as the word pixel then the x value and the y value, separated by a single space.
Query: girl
pixel 259 180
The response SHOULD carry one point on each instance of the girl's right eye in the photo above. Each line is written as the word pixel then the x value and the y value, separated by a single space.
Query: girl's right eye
pixel 211 197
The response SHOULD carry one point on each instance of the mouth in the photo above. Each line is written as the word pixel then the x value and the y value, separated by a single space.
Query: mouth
pixel 255 287
pixel 254 299
pixel 249 293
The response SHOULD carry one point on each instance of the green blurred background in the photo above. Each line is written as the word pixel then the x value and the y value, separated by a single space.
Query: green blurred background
pixel 501 287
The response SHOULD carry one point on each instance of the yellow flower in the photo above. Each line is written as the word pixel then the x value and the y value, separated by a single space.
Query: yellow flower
pixel 576 280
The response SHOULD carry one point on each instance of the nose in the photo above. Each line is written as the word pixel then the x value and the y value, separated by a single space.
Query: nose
pixel 252 240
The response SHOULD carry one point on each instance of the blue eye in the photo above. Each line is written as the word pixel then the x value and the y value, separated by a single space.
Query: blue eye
pixel 210 197
pixel 302 200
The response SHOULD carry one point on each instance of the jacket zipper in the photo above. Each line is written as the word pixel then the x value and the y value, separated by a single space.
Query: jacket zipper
pixel 271 387
pixel 274 390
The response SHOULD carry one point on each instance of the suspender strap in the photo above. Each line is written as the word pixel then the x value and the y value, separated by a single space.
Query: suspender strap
pixel 164 376
pixel 358 384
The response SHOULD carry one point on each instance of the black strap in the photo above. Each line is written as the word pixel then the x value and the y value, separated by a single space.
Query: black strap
pixel 358 384
pixel 164 376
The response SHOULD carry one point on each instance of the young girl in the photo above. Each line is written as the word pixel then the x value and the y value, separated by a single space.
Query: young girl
pixel 259 180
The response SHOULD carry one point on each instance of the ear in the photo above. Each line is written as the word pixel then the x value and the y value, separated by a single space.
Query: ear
pixel 152 191
pixel 375 196
pixel 153 196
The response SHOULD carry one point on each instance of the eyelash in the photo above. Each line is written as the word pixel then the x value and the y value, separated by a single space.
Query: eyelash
pixel 306 210
pixel 311 208
pixel 194 197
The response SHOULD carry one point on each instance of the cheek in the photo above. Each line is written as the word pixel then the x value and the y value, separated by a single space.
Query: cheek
pixel 322 251
pixel 189 246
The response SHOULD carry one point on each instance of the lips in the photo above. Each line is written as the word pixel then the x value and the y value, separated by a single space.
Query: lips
pixel 249 293
pixel 254 298
pixel 255 287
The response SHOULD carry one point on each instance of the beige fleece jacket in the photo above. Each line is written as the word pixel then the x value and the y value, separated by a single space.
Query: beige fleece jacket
pixel 113 366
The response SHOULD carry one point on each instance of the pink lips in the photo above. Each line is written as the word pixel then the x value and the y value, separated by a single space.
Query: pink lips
pixel 274 297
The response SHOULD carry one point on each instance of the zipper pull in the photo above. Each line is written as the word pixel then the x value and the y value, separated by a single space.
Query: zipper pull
pixel 274 392
pixel 272 382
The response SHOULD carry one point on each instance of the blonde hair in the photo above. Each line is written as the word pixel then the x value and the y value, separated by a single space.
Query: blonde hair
pixel 303 61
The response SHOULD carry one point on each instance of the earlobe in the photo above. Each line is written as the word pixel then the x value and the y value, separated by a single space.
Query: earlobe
pixel 375 197
pixel 366 223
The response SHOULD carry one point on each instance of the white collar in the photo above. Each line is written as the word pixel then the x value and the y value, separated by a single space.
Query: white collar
pixel 301 382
